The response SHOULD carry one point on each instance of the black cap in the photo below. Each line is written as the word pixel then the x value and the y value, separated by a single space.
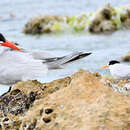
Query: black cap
pixel 2 38
pixel 112 62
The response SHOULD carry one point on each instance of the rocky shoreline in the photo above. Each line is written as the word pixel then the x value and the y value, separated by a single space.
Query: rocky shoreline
pixel 81 101
pixel 105 19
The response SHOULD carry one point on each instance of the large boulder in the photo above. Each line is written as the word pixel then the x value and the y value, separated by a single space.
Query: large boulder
pixel 81 101
pixel 101 21
pixel 43 24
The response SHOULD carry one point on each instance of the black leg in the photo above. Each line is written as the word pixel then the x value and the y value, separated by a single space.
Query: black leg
pixel 7 91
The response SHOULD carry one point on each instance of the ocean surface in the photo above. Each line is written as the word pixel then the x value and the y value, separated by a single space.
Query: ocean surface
pixel 103 47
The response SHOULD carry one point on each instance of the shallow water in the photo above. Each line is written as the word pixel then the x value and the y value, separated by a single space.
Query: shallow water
pixel 104 47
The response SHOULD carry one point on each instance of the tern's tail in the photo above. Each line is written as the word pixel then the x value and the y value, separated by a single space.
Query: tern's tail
pixel 56 62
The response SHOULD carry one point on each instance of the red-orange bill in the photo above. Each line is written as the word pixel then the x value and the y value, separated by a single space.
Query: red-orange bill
pixel 10 45
pixel 104 67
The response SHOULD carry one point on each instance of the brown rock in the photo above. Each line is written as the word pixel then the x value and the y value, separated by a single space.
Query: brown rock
pixel 104 12
pixel 102 26
pixel 22 96
pixel 102 20
pixel 126 58
pixel 120 86
pixel 125 18
pixel 43 24
pixel 84 102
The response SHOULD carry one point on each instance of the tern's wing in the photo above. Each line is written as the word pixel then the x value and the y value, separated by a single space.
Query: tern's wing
pixel 56 62
pixel 52 61
pixel 19 66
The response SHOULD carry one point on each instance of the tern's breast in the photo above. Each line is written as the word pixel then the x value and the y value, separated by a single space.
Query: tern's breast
pixel 120 71
pixel 16 66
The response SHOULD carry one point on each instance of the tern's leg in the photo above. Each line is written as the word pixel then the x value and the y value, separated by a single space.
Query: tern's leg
pixel 7 91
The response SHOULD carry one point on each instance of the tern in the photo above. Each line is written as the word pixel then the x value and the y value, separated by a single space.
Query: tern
pixel 17 64
pixel 118 70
